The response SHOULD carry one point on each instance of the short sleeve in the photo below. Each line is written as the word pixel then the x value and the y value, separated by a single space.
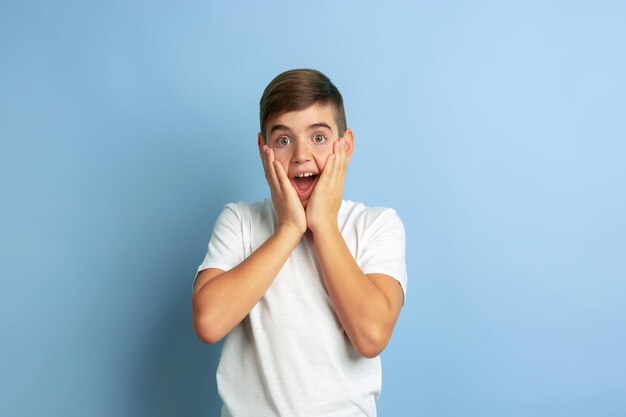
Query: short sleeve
pixel 225 250
pixel 384 251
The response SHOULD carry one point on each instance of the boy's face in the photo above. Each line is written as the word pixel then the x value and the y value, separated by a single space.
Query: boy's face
pixel 301 141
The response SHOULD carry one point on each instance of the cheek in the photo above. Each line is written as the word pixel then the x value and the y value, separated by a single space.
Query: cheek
pixel 321 163
pixel 283 156
pixel 322 156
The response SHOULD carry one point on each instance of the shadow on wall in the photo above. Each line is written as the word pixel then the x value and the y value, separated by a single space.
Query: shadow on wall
pixel 175 371
pixel 176 376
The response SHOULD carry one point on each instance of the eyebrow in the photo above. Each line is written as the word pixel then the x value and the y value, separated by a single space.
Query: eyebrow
pixel 311 127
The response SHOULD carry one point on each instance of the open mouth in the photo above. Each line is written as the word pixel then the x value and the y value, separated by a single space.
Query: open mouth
pixel 304 183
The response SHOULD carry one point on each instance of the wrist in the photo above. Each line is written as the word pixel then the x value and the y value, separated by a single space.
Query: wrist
pixel 290 231
pixel 324 228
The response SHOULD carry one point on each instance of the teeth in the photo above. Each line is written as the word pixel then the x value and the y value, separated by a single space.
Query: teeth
pixel 307 174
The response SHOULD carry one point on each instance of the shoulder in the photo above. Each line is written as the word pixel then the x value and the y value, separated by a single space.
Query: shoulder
pixel 251 213
pixel 367 218
pixel 245 208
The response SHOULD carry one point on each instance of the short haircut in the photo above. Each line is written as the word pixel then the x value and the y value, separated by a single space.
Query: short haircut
pixel 298 89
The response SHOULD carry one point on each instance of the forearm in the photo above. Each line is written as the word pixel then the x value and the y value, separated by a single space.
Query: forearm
pixel 225 300
pixel 361 307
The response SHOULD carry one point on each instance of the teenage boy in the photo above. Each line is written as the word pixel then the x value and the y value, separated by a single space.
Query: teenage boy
pixel 307 286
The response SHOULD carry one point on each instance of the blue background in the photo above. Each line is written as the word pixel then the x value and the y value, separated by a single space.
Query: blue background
pixel 497 131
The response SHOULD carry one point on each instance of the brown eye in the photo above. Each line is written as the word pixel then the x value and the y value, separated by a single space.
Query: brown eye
pixel 319 138
pixel 283 141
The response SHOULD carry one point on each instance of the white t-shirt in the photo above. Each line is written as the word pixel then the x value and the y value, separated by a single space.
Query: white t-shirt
pixel 290 356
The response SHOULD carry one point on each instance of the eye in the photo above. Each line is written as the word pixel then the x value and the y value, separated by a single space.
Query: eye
pixel 319 138
pixel 283 141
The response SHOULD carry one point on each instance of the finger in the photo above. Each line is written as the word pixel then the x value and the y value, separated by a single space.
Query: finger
pixel 266 165
pixel 282 176
pixel 344 158
pixel 263 154
pixel 328 171
pixel 337 160
pixel 271 170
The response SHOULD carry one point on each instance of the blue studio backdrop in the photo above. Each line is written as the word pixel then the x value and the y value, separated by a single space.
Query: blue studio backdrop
pixel 495 129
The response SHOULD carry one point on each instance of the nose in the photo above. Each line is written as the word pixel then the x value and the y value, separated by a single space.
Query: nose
pixel 301 152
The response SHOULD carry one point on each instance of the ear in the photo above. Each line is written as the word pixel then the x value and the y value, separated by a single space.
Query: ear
pixel 348 137
pixel 260 142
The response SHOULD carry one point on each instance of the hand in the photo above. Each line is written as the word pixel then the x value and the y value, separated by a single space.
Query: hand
pixel 323 207
pixel 285 198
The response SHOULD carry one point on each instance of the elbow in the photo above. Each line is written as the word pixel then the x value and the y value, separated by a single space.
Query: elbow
pixel 207 333
pixel 207 329
pixel 370 350
pixel 371 345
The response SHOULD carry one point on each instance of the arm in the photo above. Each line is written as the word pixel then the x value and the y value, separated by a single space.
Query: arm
pixel 367 306
pixel 222 299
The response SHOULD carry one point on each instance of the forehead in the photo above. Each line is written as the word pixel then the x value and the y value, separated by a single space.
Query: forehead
pixel 299 120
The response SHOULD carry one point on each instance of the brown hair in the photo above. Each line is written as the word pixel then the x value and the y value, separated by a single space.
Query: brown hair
pixel 298 89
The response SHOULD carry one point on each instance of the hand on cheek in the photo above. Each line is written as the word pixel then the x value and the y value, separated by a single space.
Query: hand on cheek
pixel 288 207
pixel 323 207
